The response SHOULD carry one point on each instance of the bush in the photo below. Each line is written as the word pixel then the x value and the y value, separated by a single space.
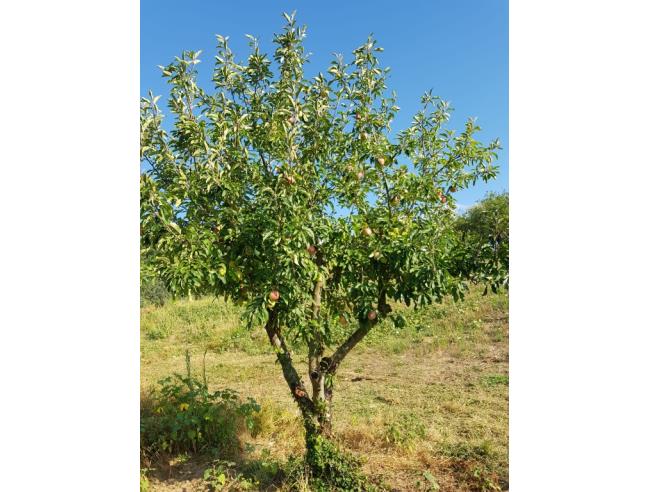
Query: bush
pixel 153 291
pixel 332 469
pixel 182 415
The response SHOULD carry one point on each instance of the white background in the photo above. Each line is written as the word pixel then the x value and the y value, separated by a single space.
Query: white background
pixel 69 346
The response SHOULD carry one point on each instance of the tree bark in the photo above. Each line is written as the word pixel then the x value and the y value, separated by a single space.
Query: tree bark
pixel 322 392
pixel 290 374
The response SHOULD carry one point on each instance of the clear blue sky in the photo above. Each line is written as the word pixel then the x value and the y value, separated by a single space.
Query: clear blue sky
pixel 457 48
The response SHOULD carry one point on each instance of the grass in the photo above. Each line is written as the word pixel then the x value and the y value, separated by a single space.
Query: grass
pixel 424 406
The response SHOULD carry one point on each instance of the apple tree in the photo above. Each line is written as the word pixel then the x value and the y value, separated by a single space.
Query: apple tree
pixel 290 194
pixel 484 238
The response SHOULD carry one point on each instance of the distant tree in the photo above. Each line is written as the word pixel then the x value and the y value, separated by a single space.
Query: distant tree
pixel 288 194
pixel 484 234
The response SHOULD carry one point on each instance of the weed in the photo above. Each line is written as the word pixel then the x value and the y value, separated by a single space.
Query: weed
pixel 467 451
pixel 332 469
pixel 405 431
pixel 158 332
pixel 153 292
pixel 184 416
pixel 475 463
pixel 495 379
pixel 222 475
pixel 428 483
pixel 144 482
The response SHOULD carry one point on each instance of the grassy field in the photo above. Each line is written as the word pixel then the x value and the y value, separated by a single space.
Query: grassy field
pixel 425 406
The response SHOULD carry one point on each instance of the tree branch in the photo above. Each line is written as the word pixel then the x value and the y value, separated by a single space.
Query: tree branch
pixel 356 337
pixel 289 372
pixel 347 346
pixel 316 347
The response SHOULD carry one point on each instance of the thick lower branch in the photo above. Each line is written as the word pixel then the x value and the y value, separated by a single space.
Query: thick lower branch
pixel 316 346
pixel 285 360
pixel 364 327
pixel 337 357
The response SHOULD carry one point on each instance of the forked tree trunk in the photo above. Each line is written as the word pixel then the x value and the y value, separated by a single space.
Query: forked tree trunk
pixel 317 412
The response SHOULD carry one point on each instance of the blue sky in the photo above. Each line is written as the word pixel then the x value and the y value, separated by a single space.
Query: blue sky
pixel 457 48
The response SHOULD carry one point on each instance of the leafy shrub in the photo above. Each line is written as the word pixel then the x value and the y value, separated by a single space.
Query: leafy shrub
pixel 182 415
pixel 405 431
pixel 153 291
pixel 334 470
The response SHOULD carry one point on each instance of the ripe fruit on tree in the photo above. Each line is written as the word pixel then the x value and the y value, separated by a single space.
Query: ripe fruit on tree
pixel 381 161
pixel 367 231
pixel 274 295
pixel 360 174
pixel 443 198
pixel 292 120
pixel 372 315
pixel 453 189
pixel 290 179
pixel 311 250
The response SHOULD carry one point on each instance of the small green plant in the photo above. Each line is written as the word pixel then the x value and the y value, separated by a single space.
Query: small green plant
pixel 495 379
pixel 158 332
pixel 485 479
pixel 182 415
pixel 467 451
pixel 331 469
pixel 222 475
pixel 144 483
pixel 405 431
pixel 428 483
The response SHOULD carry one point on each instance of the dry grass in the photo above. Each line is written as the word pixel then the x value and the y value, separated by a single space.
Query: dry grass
pixel 431 397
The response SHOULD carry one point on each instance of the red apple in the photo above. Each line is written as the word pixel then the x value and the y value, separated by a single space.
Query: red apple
pixel 274 295
pixel 292 120
pixel 311 250
pixel 372 315
pixel 443 198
